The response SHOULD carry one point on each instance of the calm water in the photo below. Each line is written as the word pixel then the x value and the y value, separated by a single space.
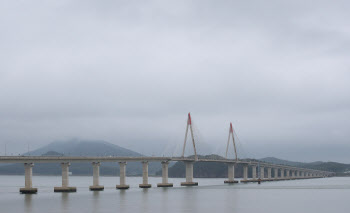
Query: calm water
pixel 317 195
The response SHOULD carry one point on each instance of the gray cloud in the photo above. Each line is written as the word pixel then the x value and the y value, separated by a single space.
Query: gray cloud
pixel 129 71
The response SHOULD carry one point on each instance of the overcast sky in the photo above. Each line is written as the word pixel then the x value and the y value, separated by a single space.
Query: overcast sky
pixel 128 72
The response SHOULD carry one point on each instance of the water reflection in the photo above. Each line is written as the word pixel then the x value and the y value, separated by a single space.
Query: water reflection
pixel 28 202
pixel 122 200
pixel 95 201
pixel 318 195
pixel 145 201
pixel 231 201
pixel 164 199
pixel 65 201
pixel 189 199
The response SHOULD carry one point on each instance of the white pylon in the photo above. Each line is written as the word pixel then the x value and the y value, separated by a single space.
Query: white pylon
pixel 189 124
pixel 233 140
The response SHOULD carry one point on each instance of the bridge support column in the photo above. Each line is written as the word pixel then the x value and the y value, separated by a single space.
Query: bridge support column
pixel 28 172
pixel 245 173
pixel 145 183
pixel 293 174
pixel 275 171
pixel 122 176
pixel 282 173
pixel 65 180
pixel 287 174
pixel 189 175
pixel 165 175
pixel 254 172
pixel 96 177
pixel 231 173
pixel 262 172
pixel 269 173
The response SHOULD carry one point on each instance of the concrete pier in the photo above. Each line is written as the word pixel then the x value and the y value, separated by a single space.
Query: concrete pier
pixel 282 173
pixel 145 183
pixel 269 173
pixel 28 172
pixel 287 174
pixel 96 177
pixel 189 175
pixel 122 176
pixel 262 172
pixel 231 174
pixel 254 172
pixel 65 180
pixel 245 173
pixel 165 167
pixel 275 171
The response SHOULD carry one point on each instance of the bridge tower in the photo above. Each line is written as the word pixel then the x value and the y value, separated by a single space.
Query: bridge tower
pixel 189 126
pixel 233 141
pixel 189 163
pixel 231 166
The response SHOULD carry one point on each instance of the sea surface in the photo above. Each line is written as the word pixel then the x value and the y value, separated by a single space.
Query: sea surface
pixel 212 195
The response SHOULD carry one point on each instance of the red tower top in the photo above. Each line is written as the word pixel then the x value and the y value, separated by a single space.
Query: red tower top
pixel 231 129
pixel 189 119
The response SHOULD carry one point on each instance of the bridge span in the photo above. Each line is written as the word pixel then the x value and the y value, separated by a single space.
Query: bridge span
pixel 280 172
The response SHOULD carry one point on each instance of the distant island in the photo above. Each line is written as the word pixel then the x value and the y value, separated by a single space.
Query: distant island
pixel 103 148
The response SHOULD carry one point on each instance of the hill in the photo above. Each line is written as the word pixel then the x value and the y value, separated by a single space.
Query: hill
pixel 81 148
pixel 279 161
pixel 84 148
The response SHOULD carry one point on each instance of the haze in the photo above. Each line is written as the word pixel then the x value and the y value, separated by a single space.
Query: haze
pixel 128 72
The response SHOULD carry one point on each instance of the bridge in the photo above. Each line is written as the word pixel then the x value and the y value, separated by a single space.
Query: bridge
pixel 280 172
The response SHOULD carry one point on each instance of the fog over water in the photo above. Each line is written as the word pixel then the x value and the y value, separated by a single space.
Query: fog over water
pixel 128 72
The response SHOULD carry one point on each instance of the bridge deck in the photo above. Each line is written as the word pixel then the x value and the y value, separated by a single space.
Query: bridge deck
pixel 74 159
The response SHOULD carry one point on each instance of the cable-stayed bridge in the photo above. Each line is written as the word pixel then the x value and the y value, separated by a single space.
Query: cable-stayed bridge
pixel 261 171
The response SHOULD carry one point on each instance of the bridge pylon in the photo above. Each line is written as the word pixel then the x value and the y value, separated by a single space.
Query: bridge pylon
pixel 189 126
pixel 233 141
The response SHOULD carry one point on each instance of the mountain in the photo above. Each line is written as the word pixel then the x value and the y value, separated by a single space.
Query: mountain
pixel 81 148
pixel 279 161
pixel 52 153
pixel 78 147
